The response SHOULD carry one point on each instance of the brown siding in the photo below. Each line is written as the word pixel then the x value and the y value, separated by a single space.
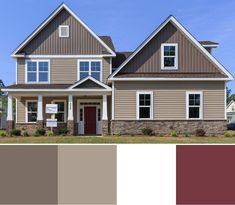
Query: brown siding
pixel 48 42
pixel 20 70
pixel 106 69
pixel 190 58
pixel 169 99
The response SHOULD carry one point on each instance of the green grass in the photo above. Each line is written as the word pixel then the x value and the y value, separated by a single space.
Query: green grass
pixel 118 139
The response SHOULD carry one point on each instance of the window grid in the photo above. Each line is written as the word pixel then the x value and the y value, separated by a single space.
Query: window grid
pixel 90 68
pixel 38 71
pixel 31 111
pixel 60 115
pixel 144 109
pixel 194 105
pixel 169 54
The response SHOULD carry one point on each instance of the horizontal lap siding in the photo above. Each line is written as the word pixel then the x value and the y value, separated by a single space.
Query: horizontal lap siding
pixel 20 70
pixel 169 99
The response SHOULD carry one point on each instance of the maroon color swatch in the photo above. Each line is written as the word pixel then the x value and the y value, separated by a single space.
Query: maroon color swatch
pixel 205 174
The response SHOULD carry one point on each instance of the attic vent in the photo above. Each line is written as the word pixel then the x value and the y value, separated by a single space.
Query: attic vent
pixel 64 31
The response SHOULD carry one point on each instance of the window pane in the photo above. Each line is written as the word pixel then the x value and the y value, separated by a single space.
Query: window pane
pixel 169 50
pixel 194 112
pixel 81 114
pixel 59 117
pixel 169 61
pixel 144 112
pixel 172 51
pixel 96 75
pixel 197 99
pixel 144 99
pixel 95 66
pixel 99 114
pixel 60 106
pixel 43 77
pixel 32 117
pixel 32 106
pixel 43 66
pixel 194 99
pixel 83 75
pixel 32 66
pixel 84 66
pixel 32 76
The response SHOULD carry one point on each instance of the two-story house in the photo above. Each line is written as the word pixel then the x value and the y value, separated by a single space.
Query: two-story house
pixel 170 82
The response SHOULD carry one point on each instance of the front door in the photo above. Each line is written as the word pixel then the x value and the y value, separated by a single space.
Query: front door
pixel 89 120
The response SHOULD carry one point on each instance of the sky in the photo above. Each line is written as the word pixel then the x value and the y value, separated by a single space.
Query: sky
pixel 128 22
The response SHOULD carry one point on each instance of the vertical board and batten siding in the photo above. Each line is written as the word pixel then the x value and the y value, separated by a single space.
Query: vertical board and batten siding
pixel 169 99
pixel 190 58
pixel 79 42
pixel 62 70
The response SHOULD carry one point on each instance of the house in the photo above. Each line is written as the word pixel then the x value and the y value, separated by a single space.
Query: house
pixel 231 112
pixel 2 114
pixel 171 82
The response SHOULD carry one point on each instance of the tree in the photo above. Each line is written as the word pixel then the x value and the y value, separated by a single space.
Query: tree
pixel 1 85
pixel 228 95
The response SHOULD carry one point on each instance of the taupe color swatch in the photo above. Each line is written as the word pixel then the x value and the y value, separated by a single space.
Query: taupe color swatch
pixel 28 174
pixel 87 174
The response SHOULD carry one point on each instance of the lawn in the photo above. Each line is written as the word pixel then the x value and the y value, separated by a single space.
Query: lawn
pixel 118 139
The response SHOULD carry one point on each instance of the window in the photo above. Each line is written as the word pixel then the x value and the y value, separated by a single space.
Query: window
pixel 37 71
pixel 64 31
pixel 194 105
pixel 90 68
pixel 99 114
pixel 169 56
pixel 31 111
pixel 60 115
pixel 144 105
pixel 81 114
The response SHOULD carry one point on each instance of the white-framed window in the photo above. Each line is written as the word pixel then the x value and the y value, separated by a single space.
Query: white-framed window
pixel 31 111
pixel 169 56
pixel 194 105
pixel 61 114
pixel 144 105
pixel 64 31
pixel 91 68
pixel 37 71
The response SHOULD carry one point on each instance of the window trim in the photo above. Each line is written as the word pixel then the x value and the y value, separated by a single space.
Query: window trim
pixel 65 108
pixel 37 71
pixel 200 108
pixel 176 56
pixel 89 72
pixel 60 33
pixel 137 105
pixel 26 111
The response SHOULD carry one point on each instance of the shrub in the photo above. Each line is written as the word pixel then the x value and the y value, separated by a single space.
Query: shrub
pixel 161 135
pixel 147 131
pixel 16 132
pixel 227 134
pixel 25 134
pixel 174 134
pixel 200 133
pixel 40 132
pixel 50 133
pixel 63 131
pixel 3 133
pixel 186 135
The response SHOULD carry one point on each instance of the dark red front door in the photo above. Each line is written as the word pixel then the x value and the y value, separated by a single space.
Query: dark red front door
pixel 90 120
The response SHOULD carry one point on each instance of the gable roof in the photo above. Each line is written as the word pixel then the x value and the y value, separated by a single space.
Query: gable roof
pixel 48 20
pixel 193 40
pixel 230 103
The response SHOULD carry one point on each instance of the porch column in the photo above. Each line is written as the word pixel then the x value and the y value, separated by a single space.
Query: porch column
pixel 10 122
pixel 105 130
pixel 70 122
pixel 40 112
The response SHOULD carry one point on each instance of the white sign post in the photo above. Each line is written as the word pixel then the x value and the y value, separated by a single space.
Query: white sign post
pixel 51 109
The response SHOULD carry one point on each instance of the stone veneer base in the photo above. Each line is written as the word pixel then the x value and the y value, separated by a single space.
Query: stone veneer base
pixel 105 127
pixel 134 127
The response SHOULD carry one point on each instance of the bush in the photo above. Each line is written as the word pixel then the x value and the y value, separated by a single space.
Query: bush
pixel 16 132
pixel 40 132
pixel 174 134
pixel 227 134
pixel 147 131
pixel 63 131
pixel 161 135
pixel 3 133
pixel 200 133
pixel 186 135
pixel 50 133
pixel 25 134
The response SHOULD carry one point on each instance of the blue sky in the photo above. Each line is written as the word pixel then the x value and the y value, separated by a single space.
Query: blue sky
pixel 129 22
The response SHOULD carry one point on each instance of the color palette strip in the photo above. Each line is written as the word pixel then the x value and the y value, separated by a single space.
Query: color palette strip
pixel 64 174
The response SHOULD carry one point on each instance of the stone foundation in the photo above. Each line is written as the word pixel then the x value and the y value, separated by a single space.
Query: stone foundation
pixel 10 126
pixel 30 128
pixel 105 127
pixel 166 127
pixel 71 127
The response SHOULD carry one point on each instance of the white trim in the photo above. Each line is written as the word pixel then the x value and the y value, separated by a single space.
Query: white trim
pixel 9 107
pixel 200 108
pixel 176 56
pixel 26 110
pixel 92 79
pixel 40 108
pixel 89 61
pixel 37 71
pixel 16 70
pixel 113 100
pixel 104 108
pixel 111 67
pixel 63 6
pixel 64 56
pixel 225 102
pixel 210 45
pixel 137 105
pixel 65 108
pixel 70 108
pixel 16 104
pixel 60 33
pixel 58 90
pixel 173 20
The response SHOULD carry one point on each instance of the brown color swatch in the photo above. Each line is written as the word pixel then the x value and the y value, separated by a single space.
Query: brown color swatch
pixel 205 174
pixel 28 174
pixel 87 174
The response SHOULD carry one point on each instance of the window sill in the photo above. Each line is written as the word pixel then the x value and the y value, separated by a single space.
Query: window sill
pixel 169 68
